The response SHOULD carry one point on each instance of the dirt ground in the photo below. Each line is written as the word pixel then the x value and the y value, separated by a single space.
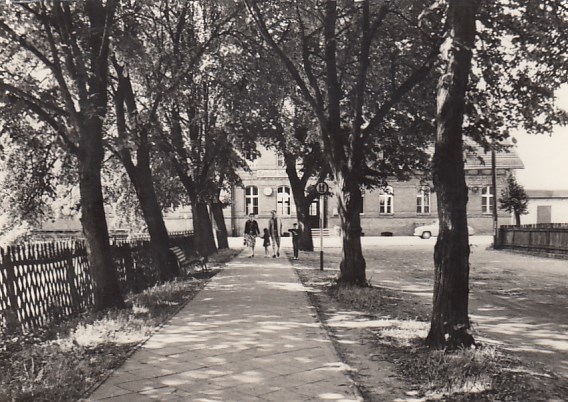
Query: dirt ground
pixel 518 303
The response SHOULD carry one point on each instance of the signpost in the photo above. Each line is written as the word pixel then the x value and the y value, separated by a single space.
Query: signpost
pixel 322 189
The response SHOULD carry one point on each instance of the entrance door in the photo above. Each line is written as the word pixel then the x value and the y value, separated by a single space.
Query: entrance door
pixel 315 214
pixel 543 214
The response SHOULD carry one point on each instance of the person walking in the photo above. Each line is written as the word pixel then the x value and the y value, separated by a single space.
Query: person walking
pixel 295 232
pixel 275 230
pixel 266 242
pixel 251 232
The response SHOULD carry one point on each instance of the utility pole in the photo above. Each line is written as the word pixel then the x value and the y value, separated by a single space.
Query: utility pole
pixel 494 199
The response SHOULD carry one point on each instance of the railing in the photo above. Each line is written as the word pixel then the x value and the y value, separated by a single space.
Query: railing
pixel 325 232
pixel 544 237
pixel 45 282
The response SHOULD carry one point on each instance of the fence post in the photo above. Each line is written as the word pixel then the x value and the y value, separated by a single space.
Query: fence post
pixel 70 273
pixel 131 274
pixel 13 324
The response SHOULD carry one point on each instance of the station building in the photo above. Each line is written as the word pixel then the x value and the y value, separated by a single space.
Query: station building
pixel 397 209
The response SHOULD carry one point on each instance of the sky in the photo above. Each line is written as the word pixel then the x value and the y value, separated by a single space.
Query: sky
pixel 545 156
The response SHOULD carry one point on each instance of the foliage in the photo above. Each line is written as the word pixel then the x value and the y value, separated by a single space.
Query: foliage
pixel 120 196
pixel 13 230
pixel 380 104
pixel 520 59
pixel 513 198
pixel 169 53
pixel 32 168
pixel 363 69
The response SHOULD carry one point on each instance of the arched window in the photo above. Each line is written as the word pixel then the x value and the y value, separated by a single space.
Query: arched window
pixel 283 201
pixel 251 200
pixel 487 200
pixel 423 202
pixel 386 200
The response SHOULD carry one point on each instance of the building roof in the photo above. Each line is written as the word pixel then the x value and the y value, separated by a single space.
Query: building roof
pixel 534 194
pixel 479 159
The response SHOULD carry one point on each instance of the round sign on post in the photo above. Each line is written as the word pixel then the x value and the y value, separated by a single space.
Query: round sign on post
pixel 322 188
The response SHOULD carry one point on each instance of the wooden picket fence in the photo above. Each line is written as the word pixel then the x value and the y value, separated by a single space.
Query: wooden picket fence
pixel 41 283
pixel 45 282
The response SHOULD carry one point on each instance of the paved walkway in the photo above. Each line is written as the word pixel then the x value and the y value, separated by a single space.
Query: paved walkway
pixel 250 335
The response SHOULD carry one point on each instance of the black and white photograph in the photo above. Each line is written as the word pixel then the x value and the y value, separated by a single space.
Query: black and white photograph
pixel 283 200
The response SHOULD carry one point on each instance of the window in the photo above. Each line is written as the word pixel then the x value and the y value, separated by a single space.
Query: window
pixel 283 200
pixel 487 200
pixel 280 162
pixel 386 201
pixel 314 207
pixel 423 202
pixel 251 200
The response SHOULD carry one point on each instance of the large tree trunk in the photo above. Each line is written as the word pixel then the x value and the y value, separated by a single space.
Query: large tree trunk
pixel 302 202
pixel 352 267
pixel 222 236
pixel 450 326
pixel 141 177
pixel 305 241
pixel 90 156
pixel 106 290
pixel 202 228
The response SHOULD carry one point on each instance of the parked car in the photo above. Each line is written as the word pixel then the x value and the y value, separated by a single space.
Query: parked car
pixel 427 231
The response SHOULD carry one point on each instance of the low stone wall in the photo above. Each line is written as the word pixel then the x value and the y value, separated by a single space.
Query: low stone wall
pixel 544 237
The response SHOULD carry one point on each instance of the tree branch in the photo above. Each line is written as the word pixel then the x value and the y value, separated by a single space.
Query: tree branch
pixel 414 79
pixel 43 115
pixel 306 60
pixel 58 72
pixel 255 13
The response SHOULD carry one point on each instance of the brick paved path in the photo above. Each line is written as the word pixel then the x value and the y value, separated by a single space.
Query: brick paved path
pixel 250 335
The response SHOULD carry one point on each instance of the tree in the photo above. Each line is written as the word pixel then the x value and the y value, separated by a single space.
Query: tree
pixel 191 123
pixel 139 90
pixel 55 67
pixel 514 199
pixel 356 64
pixel 450 326
pixel 226 177
pixel 312 166
pixel 512 85
pixel 265 106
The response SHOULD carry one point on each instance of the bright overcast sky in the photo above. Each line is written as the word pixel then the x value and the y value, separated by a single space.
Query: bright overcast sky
pixel 545 156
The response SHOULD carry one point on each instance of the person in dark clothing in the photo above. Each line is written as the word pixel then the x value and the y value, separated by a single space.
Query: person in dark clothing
pixel 295 232
pixel 266 242
pixel 275 230
pixel 251 232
